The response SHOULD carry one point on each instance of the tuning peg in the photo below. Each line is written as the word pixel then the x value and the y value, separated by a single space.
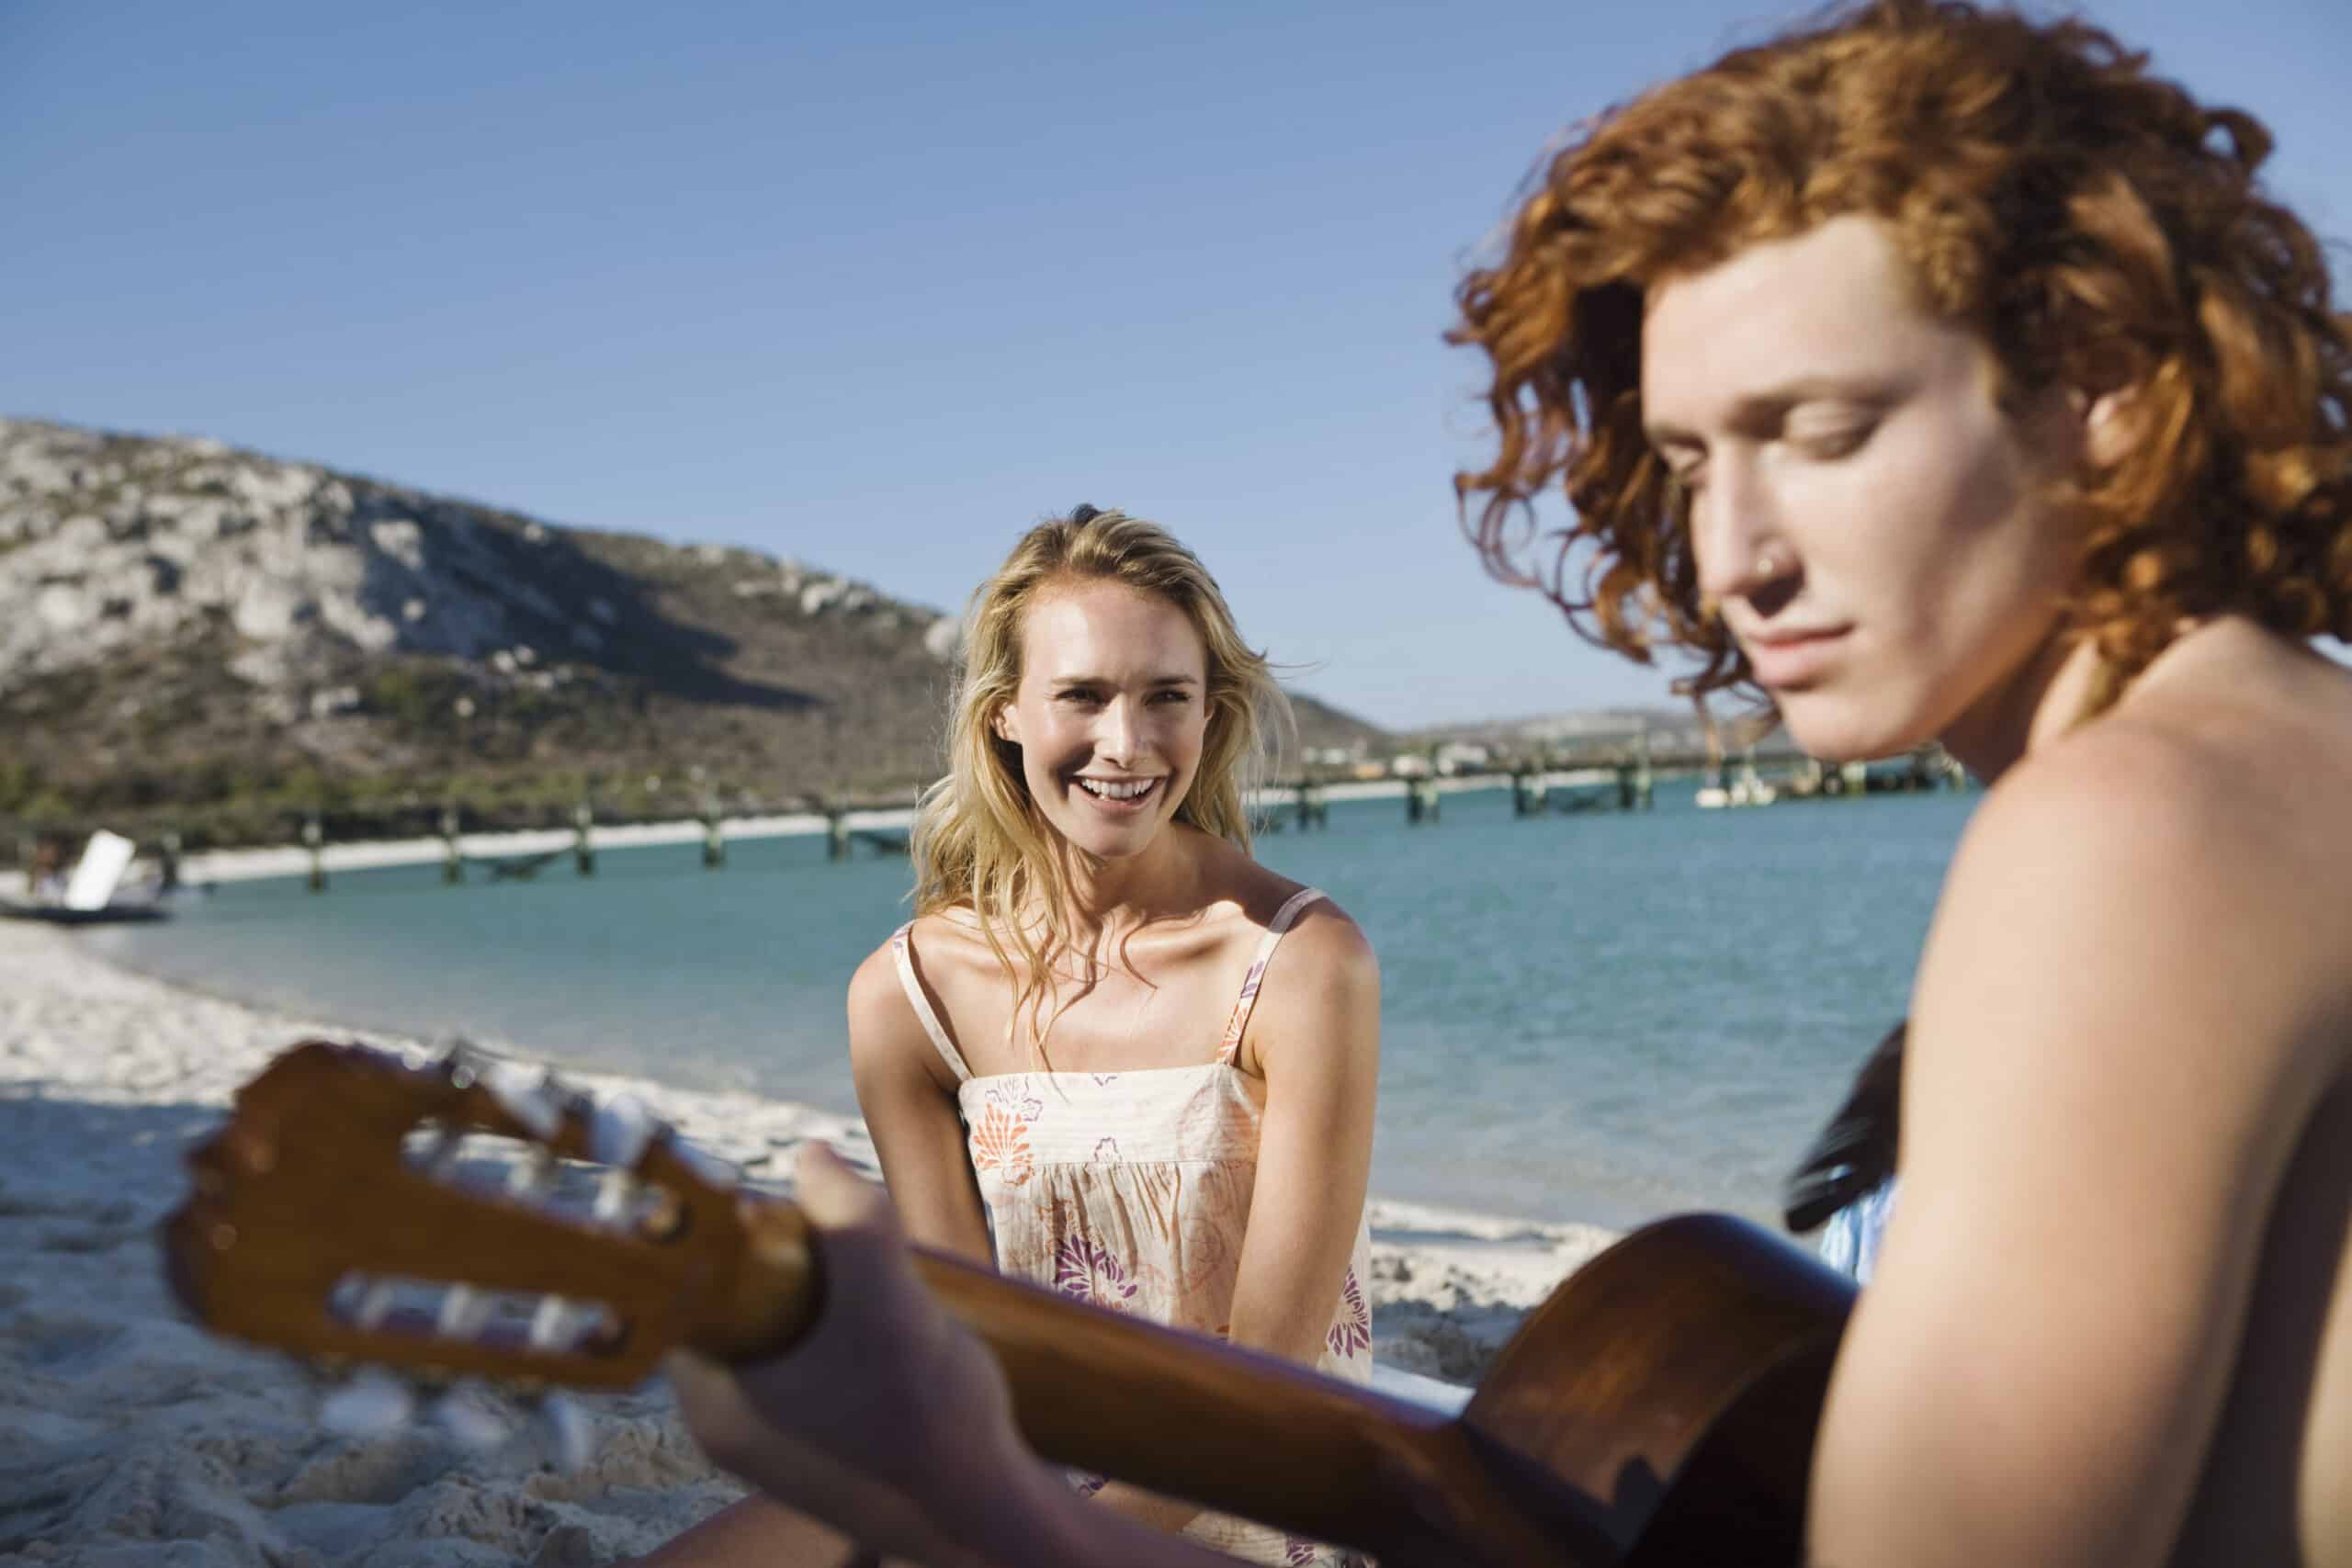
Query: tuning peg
pixel 556 1324
pixel 472 1420
pixel 620 1130
pixel 615 1192
pixel 533 1176
pixel 712 1169
pixel 455 1054
pixel 372 1405
pixel 441 1154
pixel 527 1094
pixel 375 1303
pixel 463 1312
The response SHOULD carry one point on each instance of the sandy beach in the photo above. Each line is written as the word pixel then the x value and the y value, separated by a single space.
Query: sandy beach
pixel 129 1436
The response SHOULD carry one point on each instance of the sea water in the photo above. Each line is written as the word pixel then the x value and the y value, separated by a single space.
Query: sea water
pixel 1600 1016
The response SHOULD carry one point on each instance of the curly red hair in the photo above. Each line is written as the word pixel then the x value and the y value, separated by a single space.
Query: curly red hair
pixel 2098 227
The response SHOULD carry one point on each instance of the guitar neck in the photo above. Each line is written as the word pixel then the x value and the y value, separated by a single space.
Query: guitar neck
pixel 309 1194
pixel 1250 1434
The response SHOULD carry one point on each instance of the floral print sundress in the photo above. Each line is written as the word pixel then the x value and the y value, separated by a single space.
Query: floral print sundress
pixel 1132 1190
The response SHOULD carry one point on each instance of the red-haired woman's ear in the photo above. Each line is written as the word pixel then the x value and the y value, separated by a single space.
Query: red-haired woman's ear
pixel 1006 729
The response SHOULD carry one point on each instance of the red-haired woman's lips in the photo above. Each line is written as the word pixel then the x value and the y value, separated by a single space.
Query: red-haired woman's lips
pixel 1785 658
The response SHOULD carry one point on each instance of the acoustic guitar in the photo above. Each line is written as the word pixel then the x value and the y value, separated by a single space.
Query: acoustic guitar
pixel 1657 1409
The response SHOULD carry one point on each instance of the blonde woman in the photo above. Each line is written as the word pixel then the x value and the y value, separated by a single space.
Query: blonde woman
pixel 1111 1053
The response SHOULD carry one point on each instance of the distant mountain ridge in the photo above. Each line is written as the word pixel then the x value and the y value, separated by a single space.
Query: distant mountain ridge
pixel 184 624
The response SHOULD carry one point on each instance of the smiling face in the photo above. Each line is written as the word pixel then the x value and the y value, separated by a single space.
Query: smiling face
pixel 1864 514
pixel 1110 715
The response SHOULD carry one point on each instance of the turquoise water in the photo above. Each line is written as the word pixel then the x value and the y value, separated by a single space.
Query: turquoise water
pixel 1600 1016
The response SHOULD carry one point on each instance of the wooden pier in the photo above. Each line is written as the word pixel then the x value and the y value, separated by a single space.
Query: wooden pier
pixel 1618 774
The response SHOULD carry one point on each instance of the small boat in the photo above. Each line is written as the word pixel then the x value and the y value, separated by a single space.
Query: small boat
pixel 89 893
pixel 66 915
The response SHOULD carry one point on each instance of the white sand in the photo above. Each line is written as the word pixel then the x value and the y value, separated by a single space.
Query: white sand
pixel 129 1436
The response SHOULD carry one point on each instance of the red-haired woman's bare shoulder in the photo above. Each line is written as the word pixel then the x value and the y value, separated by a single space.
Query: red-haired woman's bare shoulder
pixel 2128 896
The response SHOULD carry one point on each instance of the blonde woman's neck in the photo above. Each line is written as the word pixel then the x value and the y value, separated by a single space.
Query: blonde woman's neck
pixel 1104 900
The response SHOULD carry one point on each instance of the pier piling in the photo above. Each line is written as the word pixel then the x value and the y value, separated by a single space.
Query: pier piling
pixel 1313 810
pixel 714 837
pixel 583 846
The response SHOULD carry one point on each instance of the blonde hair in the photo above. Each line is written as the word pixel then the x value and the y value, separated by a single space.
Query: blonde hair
pixel 979 841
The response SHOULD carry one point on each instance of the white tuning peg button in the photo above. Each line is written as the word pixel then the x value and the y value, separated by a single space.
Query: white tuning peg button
pixel 555 1324
pixel 463 1311
pixel 372 1405
pixel 525 1094
pixel 619 1131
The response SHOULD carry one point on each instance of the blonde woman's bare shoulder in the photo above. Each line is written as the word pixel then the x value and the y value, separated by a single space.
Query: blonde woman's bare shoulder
pixel 1325 940
pixel 884 1028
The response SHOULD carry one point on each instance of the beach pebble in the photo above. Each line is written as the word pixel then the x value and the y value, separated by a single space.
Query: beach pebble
pixel 472 1420
pixel 372 1405
pixel 570 1437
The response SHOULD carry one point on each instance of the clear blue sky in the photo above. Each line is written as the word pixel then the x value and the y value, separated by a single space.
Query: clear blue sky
pixel 875 286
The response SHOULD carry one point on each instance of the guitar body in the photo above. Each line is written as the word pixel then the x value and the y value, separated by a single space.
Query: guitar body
pixel 1673 1384
pixel 1657 1410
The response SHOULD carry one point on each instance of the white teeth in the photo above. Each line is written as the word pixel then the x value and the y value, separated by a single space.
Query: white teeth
pixel 1108 790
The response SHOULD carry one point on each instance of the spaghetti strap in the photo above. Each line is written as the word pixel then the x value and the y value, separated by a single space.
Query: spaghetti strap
pixel 1231 1044
pixel 902 952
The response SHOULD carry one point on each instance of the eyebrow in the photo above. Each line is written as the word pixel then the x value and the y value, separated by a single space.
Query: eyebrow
pixel 1762 407
pixel 1107 681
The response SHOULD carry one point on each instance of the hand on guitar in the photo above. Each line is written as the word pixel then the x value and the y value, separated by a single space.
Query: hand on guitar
pixel 890 1421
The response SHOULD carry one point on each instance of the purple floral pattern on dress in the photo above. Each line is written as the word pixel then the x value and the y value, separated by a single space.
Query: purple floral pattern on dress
pixel 1024 1107
pixel 1088 1272
pixel 1352 1331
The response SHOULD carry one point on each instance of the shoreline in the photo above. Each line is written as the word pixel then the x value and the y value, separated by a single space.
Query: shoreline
pixel 129 1436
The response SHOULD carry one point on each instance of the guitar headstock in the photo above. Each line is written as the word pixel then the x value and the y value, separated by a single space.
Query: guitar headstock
pixel 345 1213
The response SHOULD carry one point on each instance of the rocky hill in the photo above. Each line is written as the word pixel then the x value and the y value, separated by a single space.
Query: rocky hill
pixel 197 634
